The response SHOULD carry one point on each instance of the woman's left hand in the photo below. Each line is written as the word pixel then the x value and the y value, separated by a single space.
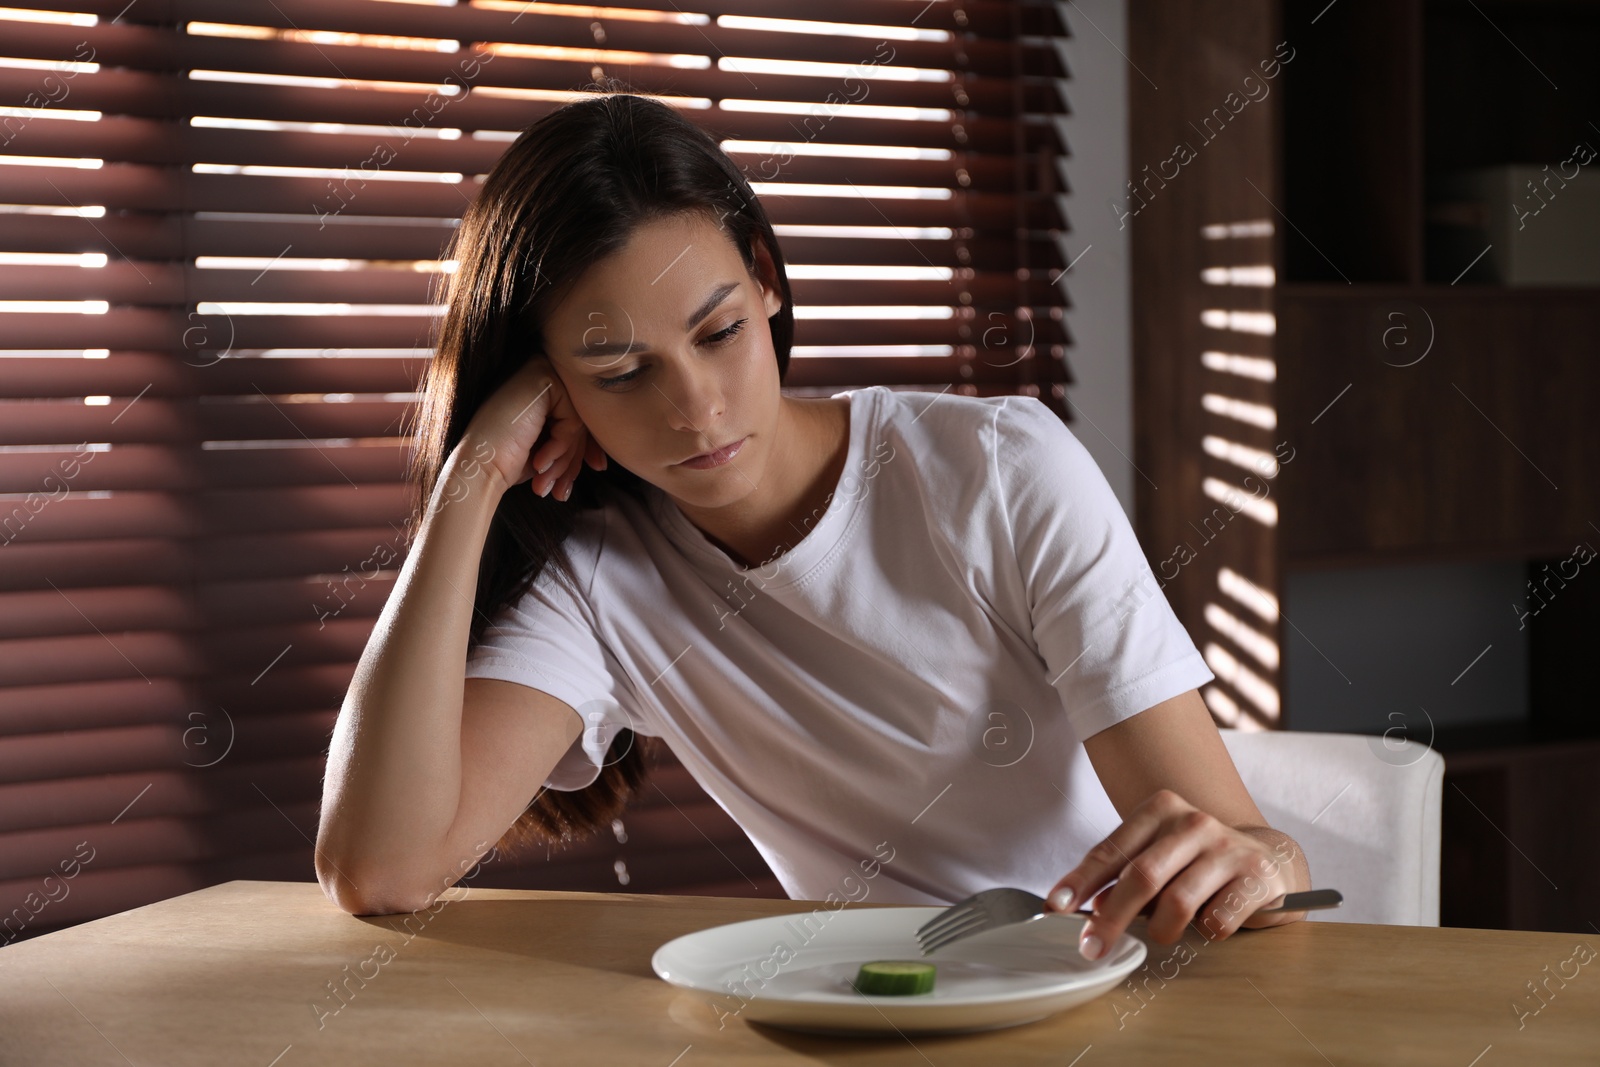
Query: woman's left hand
pixel 1191 865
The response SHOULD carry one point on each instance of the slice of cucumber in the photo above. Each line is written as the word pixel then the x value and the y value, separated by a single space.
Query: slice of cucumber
pixel 895 978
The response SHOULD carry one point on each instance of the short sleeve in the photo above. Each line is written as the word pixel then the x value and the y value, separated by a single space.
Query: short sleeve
pixel 549 640
pixel 1110 640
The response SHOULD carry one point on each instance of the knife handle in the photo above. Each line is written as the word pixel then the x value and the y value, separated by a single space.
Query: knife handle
pixel 1310 900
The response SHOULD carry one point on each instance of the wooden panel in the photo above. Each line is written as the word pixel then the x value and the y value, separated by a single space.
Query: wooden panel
pixel 1470 450
pixel 1196 57
pixel 1352 132
pixel 1562 602
pixel 1474 868
pixel 1511 818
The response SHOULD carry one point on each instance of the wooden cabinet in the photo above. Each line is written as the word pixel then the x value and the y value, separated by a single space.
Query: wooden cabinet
pixel 1328 377
pixel 1516 853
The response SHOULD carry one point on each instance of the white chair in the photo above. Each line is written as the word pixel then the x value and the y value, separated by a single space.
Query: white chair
pixel 1364 808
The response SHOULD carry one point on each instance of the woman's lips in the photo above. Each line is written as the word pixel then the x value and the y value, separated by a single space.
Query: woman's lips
pixel 714 459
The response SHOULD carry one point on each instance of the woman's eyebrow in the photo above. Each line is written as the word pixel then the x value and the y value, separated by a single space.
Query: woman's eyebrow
pixel 623 348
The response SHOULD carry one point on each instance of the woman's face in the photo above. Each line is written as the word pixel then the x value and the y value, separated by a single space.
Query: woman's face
pixel 666 353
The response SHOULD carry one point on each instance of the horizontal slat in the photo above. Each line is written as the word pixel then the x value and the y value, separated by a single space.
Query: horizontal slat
pixel 135 237
pixel 979 253
pixel 118 139
pixel 227 664
pixel 155 283
pixel 356 191
pixel 154 330
pixel 980 19
pixel 169 654
pixel 357 589
pixel 136 842
pixel 51 613
pixel 168 282
pixel 69 704
pixel 150 94
pixel 314 332
pixel 175 468
pixel 983 18
pixel 989 201
pixel 992 371
pixel 131 43
pixel 153 418
pixel 77 517
pixel 232 745
pixel 188 144
pixel 173 562
pixel 200 374
pixel 156 795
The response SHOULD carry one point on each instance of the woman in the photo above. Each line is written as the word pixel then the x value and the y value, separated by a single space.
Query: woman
pixel 895 634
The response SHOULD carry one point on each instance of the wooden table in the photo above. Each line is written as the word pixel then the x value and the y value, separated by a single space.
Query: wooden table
pixel 245 973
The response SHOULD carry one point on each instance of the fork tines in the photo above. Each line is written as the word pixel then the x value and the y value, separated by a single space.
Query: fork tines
pixel 981 911
pixel 949 925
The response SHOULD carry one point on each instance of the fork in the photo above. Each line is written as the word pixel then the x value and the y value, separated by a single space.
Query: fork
pixel 999 907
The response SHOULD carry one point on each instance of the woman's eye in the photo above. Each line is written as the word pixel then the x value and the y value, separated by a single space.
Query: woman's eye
pixel 724 336
pixel 609 383
pixel 716 340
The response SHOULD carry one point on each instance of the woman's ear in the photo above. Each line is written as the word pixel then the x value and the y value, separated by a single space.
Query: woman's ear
pixel 766 276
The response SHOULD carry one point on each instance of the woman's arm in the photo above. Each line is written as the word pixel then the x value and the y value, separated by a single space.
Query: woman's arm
pixel 394 764
pixel 1192 840
pixel 1190 831
pixel 393 801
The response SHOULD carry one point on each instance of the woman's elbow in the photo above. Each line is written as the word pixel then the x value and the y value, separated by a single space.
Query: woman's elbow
pixel 365 896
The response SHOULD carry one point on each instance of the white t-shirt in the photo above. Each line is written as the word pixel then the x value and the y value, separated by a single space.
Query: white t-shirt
pixel 908 687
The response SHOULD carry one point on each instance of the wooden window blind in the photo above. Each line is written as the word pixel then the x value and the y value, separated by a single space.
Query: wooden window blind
pixel 220 224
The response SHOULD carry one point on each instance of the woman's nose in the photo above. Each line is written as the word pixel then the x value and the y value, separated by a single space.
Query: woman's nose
pixel 693 399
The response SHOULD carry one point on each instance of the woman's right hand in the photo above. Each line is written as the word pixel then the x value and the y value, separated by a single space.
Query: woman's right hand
pixel 529 423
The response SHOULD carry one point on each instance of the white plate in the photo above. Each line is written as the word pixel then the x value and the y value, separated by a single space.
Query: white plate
pixel 795 971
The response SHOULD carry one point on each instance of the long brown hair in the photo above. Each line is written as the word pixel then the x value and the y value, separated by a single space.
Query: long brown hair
pixel 570 190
